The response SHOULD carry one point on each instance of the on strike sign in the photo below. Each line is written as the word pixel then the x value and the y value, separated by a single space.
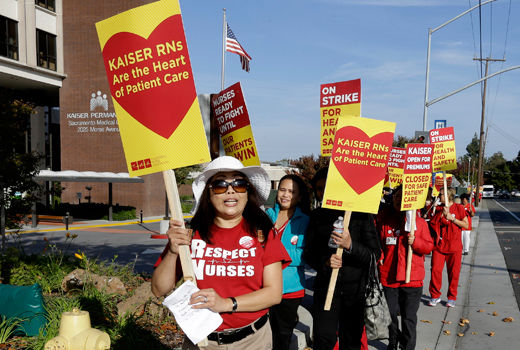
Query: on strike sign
pixel 151 82
pixel 417 175
pixel 234 126
pixel 358 164
pixel 337 100
pixel 445 157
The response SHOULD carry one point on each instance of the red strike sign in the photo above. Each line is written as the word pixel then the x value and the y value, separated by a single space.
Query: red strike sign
pixel 397 158
pixel 230 109
pixel 342 93
pixel 418 159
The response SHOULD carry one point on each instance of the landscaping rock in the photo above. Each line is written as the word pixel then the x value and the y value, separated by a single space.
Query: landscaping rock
pixel 142 299
pixel 77 278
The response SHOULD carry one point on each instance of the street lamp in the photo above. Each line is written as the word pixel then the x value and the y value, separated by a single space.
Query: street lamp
pixel 430 32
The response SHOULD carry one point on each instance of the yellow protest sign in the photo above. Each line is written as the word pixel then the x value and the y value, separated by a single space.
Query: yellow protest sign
pixel 417 175
pixel 358 164
pixel 234 127
pixel 438 182
pixel 341 99
pixel 445 157
pixel 151 82
pixel 396 166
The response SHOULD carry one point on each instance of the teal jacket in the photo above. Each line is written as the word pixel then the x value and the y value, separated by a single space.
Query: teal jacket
pixel 293 239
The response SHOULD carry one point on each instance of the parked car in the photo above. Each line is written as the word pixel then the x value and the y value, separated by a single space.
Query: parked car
pixel 504 194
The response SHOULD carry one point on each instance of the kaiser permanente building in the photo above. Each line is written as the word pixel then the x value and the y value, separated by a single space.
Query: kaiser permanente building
pixel 50 54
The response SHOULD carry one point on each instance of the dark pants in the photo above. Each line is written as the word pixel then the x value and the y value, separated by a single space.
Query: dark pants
pixel 345 319
pixel 283 318
pixel 406 301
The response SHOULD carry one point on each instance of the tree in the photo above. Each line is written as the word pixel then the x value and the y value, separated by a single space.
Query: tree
pixel 17 186
pixel 472 147
pixel 309 165
pixel 182 175
pixel 401 141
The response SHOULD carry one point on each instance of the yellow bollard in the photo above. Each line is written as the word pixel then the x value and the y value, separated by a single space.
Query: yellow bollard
pixel 77 334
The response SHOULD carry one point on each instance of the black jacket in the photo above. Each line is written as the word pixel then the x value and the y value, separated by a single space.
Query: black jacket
pixel 355 267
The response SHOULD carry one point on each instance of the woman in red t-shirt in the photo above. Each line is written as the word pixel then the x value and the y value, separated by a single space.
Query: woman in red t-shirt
pixel 448 222
pixel 238 269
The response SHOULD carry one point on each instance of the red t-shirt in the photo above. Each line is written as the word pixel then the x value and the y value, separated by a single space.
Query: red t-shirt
pixel 233 265
pixel 469 207
pixel 450 233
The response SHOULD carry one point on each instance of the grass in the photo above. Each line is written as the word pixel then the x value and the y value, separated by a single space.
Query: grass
pixel 143 331
pixel 7 328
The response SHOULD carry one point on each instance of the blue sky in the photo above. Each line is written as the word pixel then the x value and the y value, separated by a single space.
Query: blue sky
pixel 298 45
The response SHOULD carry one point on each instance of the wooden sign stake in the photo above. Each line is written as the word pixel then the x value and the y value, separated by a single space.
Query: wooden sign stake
pixel 174 203
pixel 410 251
pixel 334 275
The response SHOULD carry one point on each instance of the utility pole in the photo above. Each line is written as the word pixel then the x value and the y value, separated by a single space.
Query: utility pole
pixel 481 138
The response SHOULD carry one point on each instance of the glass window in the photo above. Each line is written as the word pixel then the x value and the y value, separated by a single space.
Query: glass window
pixel 46 45
pixel 8 38
pixel 48 4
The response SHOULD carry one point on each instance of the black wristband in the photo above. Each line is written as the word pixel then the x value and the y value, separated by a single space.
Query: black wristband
pixel 235 305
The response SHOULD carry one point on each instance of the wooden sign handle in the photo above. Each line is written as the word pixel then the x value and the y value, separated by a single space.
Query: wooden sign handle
pixel 410 251
pixel 334 275
pixel 445 184
pixel 174 203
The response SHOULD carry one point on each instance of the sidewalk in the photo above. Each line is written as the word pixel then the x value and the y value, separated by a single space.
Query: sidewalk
pixel 484 288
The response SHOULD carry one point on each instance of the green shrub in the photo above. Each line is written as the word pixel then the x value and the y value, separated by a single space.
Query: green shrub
pixel 122 215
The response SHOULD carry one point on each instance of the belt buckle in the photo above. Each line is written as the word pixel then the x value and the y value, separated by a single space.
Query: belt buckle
pixel 220 341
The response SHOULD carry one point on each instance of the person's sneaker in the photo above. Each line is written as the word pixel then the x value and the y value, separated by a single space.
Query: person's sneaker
pixel 434 301
pixel 450 303
pixel 465 253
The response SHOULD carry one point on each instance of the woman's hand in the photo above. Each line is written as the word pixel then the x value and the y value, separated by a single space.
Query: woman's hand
pixel 411 239
pixel 342 239
pixel 335 261
pixel 209 299
pixel 178 236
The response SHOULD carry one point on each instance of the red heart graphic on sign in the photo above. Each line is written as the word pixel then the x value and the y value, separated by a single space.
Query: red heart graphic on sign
pixel 357 170
pixel 160 99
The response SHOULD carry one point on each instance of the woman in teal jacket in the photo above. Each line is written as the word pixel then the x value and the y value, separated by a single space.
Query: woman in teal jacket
pixel 290 218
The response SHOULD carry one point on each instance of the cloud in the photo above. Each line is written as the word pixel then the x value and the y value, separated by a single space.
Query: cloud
pixel 383 72
pixel 453 57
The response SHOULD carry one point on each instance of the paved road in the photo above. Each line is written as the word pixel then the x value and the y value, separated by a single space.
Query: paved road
pixel 100 240
pixel 505 214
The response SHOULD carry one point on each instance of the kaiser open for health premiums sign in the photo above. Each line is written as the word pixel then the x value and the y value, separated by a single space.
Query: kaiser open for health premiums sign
pixel 396 166
pixel 444 157
pixel 151 82
pixel 417 175
pixel 341 99
pixel 234 126
pixel 358 164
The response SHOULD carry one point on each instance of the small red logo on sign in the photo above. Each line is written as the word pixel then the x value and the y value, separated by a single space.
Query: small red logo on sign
pixel 134 166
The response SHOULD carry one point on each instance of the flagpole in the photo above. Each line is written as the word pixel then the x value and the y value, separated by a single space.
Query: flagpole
pixel 224 32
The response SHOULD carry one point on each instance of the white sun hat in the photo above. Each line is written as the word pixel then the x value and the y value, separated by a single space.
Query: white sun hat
pixel 257 176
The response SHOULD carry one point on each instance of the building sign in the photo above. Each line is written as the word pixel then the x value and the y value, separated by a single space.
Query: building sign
pixel 98 120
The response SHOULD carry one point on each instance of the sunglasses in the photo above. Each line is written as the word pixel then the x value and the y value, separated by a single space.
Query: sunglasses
pixel 221 186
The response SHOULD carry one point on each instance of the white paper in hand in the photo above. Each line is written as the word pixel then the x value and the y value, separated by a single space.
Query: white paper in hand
pixel 408 224
pixel 196 323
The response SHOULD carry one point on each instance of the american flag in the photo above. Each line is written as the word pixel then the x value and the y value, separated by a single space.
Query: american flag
pixel 232 45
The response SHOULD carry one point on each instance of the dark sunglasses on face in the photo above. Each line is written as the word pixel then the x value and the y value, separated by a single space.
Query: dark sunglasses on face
pixel 221 186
